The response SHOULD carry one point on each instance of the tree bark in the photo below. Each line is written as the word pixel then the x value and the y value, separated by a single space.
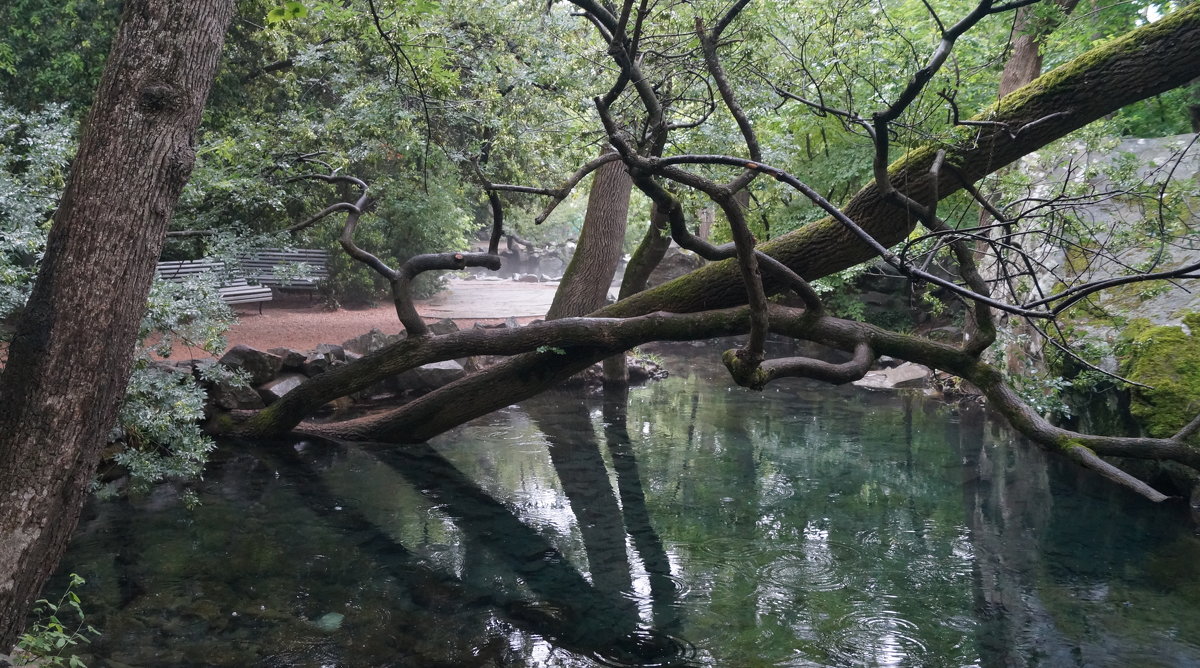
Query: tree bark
pixel 1024 62
pixel 585 283
pixel 648 255
pixel 70 358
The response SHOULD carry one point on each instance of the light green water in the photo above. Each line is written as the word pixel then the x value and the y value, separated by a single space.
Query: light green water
pixel 688 523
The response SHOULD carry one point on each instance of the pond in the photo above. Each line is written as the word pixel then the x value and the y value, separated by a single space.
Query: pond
pixel 685 523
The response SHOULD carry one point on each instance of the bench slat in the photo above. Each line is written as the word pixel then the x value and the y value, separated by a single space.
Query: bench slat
pixel 232 290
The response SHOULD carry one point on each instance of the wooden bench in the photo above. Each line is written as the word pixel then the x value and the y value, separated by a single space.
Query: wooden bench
pixel 233 289
pixel 279 268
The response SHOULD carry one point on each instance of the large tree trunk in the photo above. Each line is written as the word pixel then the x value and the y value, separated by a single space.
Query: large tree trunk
pixel 585 284
pixel 70 357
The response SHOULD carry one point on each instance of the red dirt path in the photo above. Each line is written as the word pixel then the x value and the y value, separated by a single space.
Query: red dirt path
pixel 294 322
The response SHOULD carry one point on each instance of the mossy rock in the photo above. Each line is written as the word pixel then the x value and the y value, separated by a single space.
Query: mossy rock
pixel 1167 359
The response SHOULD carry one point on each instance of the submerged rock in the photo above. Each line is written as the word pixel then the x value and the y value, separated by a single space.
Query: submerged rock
pixel 330 621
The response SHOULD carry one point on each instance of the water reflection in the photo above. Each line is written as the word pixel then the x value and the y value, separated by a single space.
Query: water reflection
pixel 681 523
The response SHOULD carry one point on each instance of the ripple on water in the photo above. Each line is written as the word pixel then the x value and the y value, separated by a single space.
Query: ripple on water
pixel 648 648
pixel 672 586
pixel 737 551
pixel 872 636
pixel 806 571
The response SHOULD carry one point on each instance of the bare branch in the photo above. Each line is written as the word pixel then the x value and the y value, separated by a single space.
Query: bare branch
pixel 402 280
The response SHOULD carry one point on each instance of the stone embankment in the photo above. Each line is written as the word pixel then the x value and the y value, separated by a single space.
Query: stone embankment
pixel 259 378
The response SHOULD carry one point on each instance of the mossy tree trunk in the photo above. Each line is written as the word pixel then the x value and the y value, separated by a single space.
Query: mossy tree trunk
pixel 70 357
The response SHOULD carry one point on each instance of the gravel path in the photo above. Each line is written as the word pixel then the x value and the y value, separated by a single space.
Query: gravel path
pixel 294 322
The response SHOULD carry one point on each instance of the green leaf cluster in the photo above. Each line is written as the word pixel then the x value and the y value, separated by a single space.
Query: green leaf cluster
pixel 57 628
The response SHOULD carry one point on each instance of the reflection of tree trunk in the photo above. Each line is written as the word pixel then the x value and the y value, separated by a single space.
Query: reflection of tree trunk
pixel 1006 494
pixel 567 609
pixel 633 506
pixel 563 417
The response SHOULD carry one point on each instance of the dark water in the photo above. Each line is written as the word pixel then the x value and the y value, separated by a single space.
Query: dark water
pixel 689 523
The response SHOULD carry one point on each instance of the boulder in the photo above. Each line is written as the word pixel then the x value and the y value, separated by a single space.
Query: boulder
pixel 273 390
pixel 234 397
pixel 333 352
pixel 427 378
pixel 293 360
pixel 437 374
pixel 552 266
pixel 259 366
pixel 370 342
pixel 674 264
pixel 324 357
pixel 316 364
pixel 902 376
pixel 443 326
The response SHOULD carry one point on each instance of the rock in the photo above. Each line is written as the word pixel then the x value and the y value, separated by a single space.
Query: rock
pixel 330 621
pixel 316 364
pixel 370 342
pixel 324 357
pixel 234 397
pixel 293 360
pixel 905 375
pixel 443 326
pixel 637 374
pixel 433 376
pixel 333 352
pixel 887 362
pixel 552 266
pixel 274 390
pixel 427 378
pixel 526 278
pixel 259 365
pixel 674 264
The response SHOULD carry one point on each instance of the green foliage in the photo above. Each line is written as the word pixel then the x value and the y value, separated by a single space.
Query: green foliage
pixel 58 627
pixel 288 11
pixel 158 424
pixel 840 294
pixel 35 147
pixel 1167 360
pixel 53 52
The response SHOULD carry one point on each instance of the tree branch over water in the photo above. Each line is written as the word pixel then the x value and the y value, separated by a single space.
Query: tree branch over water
pixel 708 302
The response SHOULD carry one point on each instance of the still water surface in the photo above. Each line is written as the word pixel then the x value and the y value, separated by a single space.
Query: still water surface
pixel 687 523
